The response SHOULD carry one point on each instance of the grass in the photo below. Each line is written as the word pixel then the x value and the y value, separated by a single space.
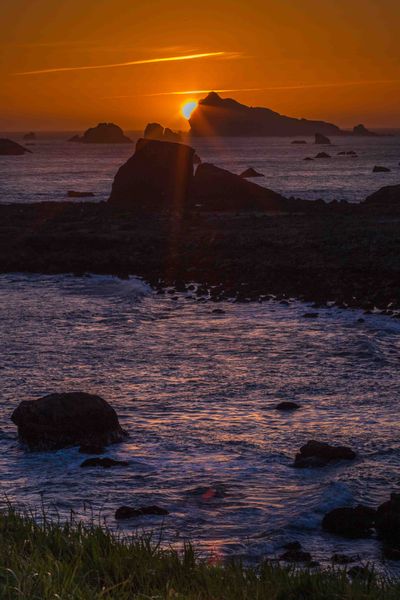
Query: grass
pixel 43 560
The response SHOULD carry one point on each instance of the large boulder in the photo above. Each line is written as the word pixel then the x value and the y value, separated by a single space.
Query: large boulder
pixel 386 197
pixel 103 133
pixel 10 148
pixel 157 177
pixel 217 189
pixel 319 454
pixel 350 522
pixel 67 419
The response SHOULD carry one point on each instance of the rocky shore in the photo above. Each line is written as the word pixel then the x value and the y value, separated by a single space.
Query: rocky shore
pixel 347 255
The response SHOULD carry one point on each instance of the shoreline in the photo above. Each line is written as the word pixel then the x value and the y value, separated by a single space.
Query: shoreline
pixel 346 255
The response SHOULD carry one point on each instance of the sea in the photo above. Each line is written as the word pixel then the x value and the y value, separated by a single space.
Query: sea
pixel 197 390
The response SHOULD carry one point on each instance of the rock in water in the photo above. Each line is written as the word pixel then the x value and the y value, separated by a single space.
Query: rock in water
pixel 227 117
pixel 218 189
pixel 321 139
pixel 129 512
pixel 103 133
pixel 319 454
pixel 350 522
pixel 388 521
pixel 362 130
pixel 250 172
pixel 155 131
pixel 157 177
pixel 105 463
pixel 323 155
pixel 10 148
pixel 287 406
pixel 68 419
pixel 378 169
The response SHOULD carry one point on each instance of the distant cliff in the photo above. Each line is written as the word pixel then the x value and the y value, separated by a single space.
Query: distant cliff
pixel 226 117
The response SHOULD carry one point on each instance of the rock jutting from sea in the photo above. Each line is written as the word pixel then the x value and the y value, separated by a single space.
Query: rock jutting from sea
pixel 103 133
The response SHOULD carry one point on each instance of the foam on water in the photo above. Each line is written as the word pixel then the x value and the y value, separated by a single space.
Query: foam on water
pixel 197 391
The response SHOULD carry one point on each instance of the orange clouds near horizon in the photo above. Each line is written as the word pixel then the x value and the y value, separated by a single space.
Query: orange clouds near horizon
pixel 336 61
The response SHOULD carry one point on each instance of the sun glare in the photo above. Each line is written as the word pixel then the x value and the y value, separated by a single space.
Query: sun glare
pixel 188 108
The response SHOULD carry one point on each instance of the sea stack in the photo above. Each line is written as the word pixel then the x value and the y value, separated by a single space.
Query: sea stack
pixel 103 133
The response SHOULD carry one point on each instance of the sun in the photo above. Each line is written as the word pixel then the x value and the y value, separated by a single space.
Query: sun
pixel 188 107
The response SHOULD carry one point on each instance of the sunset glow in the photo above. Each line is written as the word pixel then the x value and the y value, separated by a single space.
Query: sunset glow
pixel 188 108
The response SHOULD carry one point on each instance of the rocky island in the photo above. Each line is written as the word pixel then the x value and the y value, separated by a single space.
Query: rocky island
pixel 103 133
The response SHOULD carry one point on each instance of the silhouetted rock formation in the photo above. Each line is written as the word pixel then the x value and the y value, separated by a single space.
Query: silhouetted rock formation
pixel 250 172
pixel 299 142
pixel 30 137
pixel 103 133
pixel 362 130
pixel 319 454
pixel 387 197
pixel 61 420
pixel 227 117
pixel 104 463
pixel 350 522
pixel 155 131
pixel 218 189
pixel 321 139
pixel 10 148
pixel 156 177
pixel 378 169
pixel 129 512
pixel 74 194
pixel 323 155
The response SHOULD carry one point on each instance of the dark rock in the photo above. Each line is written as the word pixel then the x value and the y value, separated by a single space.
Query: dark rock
pixel 343 559
pixel 296 556
pixel 308 158
pixel 218 189
pixel 218 311
pixel 316 454
pixel 386 197
pixel 350 522
pixel 250 172
pixel 30 137
pixel 342 153
pixel 360 320
pixel 128 512
pixel 157 177
pixel 388 521
pixel 378 169
pixel 10 148
pixel 351 153
pixel 105 463
pixel 74 194
pixel 68 419
pixel 362 130
pixel 321 139
pixel 285 406
pixel 390 552
pixel 91 449
pixel 103 133
pixel 155 131
pixel 311 315
pixel 299 142
pixel 323 155
pixel 226 117
pixel 292 546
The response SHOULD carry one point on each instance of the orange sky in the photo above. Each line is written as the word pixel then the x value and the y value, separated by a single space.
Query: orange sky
pixel 337 60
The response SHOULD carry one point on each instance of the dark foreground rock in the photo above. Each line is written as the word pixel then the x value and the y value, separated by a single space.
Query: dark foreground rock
pixel 105 463
pixel 157 177
pixel 103 133
pixel 129 512
pixel 350 522
pixel 296 556
pixel 74 194
pixel 319 454
pixel 388 521
pixel 10 148
pixel 68 419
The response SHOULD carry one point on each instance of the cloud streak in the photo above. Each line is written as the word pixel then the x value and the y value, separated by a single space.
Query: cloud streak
pixel 131 63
